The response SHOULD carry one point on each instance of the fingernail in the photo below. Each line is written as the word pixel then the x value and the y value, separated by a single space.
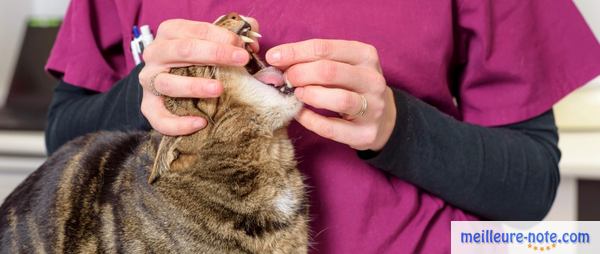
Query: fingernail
pixel 275 56
pixel 239 56
pixel 198 124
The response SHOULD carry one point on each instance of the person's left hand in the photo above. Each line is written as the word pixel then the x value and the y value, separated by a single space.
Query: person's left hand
pixel 339 76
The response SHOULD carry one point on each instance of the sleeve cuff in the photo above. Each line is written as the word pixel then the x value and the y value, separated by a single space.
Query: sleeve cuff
pixel 393 153
pixel 136 88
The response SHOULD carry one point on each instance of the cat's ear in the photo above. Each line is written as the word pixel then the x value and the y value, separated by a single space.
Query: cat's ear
pixel 165 155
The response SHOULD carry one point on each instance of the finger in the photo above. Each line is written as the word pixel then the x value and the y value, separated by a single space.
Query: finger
pixel 255 46
pixel 253 23
pixel 333 74
pixel 333 99
pixel 188 29
pixel 148 72
pixel 351 52
pixel 194 51
pixel 328 127
pixel 181 86
pixel 164 121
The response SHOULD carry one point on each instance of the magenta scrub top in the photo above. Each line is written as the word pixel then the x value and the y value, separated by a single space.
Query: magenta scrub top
pixel 505 61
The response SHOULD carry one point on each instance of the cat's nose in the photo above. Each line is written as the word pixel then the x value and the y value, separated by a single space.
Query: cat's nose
pixel 270 75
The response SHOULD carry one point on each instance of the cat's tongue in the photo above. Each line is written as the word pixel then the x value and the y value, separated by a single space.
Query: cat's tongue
pixel 270 75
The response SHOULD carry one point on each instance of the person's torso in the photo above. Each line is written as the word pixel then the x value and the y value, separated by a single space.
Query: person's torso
pixel 355 208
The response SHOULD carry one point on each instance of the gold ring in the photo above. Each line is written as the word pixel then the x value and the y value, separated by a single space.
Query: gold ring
pixel 363 109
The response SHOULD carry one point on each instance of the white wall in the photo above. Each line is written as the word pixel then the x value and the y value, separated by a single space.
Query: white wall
pixel 12 24
pixel 13 15
pixel 49 8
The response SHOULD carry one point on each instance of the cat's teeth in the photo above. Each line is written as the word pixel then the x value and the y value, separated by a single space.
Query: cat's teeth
pixel 244 18
pixel 254 34
pixel 247 39
pixel 246 30
pixel 282 89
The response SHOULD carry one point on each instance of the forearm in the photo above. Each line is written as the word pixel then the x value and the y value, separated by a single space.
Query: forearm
pixel 504 173
pixel 75 111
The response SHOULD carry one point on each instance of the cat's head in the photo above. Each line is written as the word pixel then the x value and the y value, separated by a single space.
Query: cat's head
pixel 247 112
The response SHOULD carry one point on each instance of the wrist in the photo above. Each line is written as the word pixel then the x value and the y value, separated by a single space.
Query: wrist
pixel 388 122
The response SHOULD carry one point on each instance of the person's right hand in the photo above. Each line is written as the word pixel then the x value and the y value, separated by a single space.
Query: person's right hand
pixel 181 43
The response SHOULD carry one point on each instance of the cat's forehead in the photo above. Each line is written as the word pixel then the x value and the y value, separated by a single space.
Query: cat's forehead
pixel 233 22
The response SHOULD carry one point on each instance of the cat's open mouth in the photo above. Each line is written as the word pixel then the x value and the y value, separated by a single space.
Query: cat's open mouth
pixel 268 75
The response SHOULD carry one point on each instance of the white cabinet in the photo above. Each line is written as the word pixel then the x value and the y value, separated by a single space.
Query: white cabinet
pixel 20 154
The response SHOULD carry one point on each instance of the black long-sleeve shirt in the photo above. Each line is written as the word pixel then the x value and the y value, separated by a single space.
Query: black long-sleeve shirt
pixel 503 173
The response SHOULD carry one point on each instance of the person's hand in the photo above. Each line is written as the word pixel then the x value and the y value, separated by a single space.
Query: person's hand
pixel 344 77
pixel 181 43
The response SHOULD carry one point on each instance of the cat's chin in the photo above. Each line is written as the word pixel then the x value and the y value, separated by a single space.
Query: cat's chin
pixel 269 101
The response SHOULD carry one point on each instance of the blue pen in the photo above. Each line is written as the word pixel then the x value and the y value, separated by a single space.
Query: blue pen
pixel 137 34
pixel 135 45
pixel 142 37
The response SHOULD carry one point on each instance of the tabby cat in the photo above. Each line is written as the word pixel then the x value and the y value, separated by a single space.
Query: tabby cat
pixel 232 187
